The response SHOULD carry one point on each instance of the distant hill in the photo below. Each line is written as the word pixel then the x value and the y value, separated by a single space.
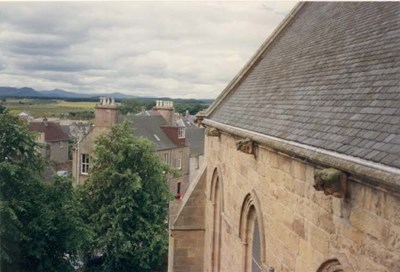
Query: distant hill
pixel 117 95
pixel 19 92
pixel 63 94
pixel 56 93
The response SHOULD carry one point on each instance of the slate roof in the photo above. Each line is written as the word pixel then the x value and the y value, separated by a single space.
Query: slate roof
pixel 149 125
pixel 52 131
pixel 330 79
pixel 194 135
pixel 195 138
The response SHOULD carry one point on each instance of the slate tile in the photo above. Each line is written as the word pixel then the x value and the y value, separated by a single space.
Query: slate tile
pixel 348 99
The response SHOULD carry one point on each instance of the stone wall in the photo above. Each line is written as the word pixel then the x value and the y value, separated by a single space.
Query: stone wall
pixel 85 146
pixel 183 154
pixel 195 163
pixel 187 246
pixel 302 228
pixel 59 151
pixel 186 240
pixel 106 116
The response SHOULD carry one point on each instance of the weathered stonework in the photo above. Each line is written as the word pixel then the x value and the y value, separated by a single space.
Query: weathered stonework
pixel 212 132
pixel 303 228
pixel 245 145
pixel 331 181
pixel 186 237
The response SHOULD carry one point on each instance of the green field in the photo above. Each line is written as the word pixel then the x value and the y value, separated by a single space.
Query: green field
pixel 47 108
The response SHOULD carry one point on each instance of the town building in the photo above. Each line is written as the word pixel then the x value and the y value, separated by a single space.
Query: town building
pixel 162 127
pixel 106 116
pixel 54 140
pixel 25 116
pixel 302 152
pixel 159 125
pixel 195 140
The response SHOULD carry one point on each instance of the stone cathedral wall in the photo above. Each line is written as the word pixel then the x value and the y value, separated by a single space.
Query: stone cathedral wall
pixel 302 227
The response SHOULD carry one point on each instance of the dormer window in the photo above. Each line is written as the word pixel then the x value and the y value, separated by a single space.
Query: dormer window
pixel 181 133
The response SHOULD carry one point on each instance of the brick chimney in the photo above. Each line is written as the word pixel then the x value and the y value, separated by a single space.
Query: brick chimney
pixel 106 113
pixel 166 109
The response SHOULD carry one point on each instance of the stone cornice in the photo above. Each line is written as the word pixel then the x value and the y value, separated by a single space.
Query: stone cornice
pixel 379 176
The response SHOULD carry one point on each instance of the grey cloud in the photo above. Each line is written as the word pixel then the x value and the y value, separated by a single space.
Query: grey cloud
pixel 186 49
pixel 57 66
pixel 36 48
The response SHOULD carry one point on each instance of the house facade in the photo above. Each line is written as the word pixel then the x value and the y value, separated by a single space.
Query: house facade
pixel 195 140
pixel 302 152
pixel 53 138
pixel 162 127
pixel 106 116
pixel 158 125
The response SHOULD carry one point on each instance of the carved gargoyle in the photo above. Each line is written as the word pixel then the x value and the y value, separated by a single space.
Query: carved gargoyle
pixel 212 132
pixel 331 181
pixel 245 145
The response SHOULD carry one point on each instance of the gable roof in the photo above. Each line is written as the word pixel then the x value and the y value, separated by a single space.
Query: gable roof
pixel 149 126
pixel 329 79
pixel 52 131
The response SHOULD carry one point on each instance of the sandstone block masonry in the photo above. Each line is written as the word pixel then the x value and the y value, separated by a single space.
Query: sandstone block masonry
pixel 301 228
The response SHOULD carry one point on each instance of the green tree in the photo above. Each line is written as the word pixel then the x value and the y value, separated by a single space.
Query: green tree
pixel 131 106
pixel 40 222
pixel 127 198
pixel 193 108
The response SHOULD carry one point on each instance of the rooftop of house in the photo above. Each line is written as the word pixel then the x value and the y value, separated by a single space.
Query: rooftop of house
pixel 330 79
pixel 23 114
pixel 76 129
pixel 195 138
pixel 194 134
pixel 149 126
pixel 52 131
pixel 148 113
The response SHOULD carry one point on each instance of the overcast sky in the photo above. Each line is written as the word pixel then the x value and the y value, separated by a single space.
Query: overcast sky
pixel 175 49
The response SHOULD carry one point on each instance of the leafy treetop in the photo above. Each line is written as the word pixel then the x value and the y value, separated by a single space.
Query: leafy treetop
pixel 127 198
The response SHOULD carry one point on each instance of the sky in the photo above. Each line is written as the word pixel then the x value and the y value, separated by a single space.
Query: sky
pixel 165 48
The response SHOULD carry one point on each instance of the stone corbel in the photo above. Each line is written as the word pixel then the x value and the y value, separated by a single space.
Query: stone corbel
pixel 212 132
pixel 199 118
pixel 245 145
pixel 198 121
pixel 331 181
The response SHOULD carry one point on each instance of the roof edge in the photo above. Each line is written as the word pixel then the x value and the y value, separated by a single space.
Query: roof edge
pixel 376 174
pixel 253 60
pixel 196 187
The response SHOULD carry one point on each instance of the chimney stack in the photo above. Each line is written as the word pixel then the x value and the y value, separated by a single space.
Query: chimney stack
pixel 166 109
pixel 106 113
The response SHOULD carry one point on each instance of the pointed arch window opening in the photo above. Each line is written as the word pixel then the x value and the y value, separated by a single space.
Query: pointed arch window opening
pixel 332 265
pixel 216 253
pixel 251 233
pixel 256 249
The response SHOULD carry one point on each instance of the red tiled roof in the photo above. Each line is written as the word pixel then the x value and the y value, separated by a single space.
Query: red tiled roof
pixel 52 131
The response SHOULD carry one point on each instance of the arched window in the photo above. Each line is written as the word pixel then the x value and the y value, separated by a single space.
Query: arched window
pixel 251 234
pixel 256 249
pixel 331 266
pixel 217 201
